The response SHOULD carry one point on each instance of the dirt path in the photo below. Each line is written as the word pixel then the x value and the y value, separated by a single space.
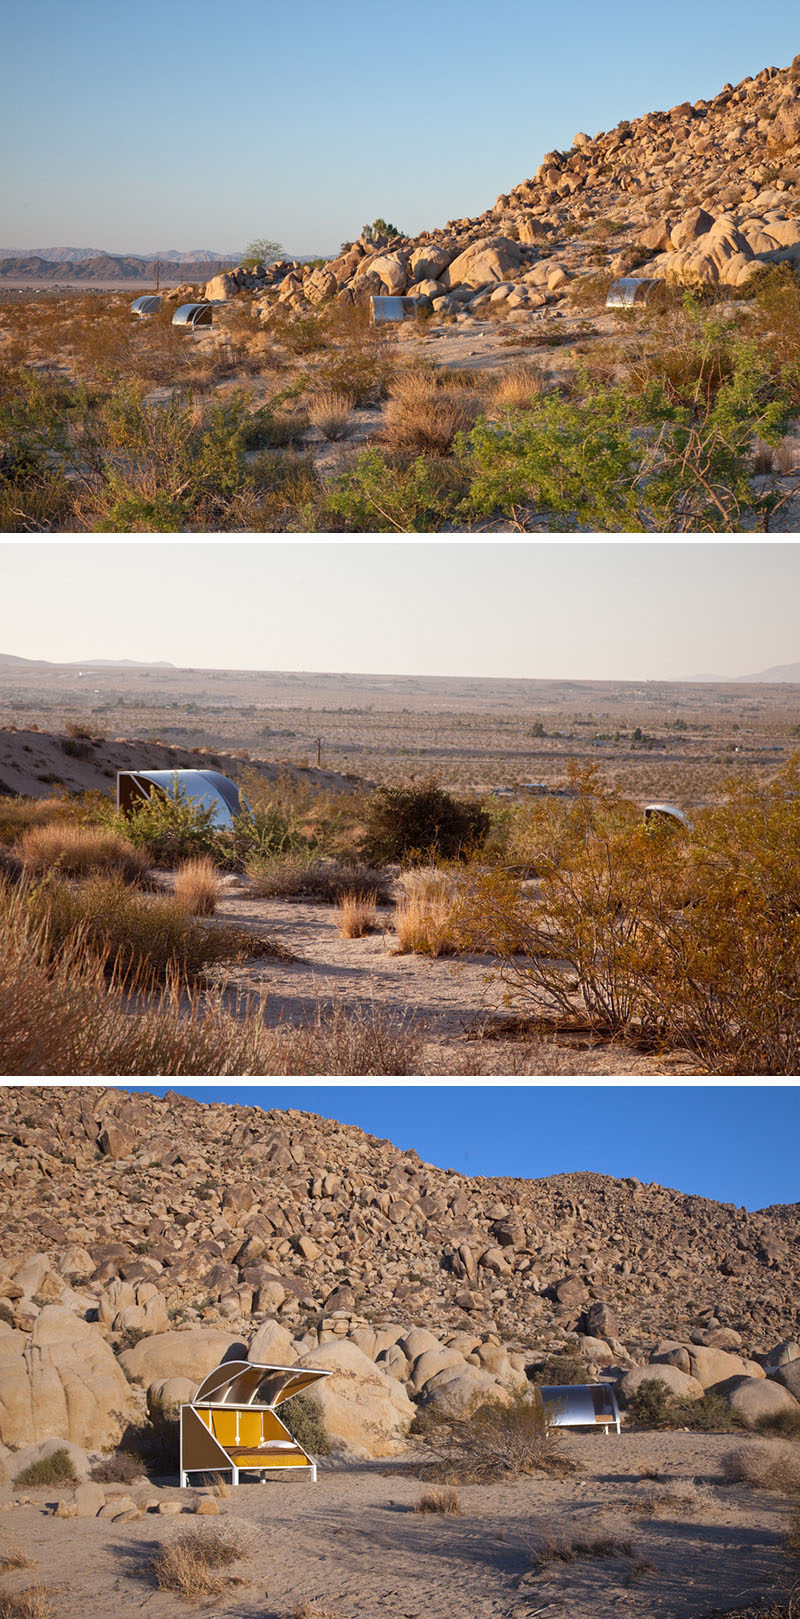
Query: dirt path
pixel 352 1547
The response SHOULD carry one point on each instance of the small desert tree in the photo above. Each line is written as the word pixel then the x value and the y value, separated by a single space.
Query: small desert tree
pixel 380 227
pixel 261 251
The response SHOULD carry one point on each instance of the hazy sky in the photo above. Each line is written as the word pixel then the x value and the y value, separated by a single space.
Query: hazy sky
pixel 655 1132
pixel 532 610
pixel 168 124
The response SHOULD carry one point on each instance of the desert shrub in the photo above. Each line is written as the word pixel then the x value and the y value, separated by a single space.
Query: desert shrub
pixel 515 388
pixel 60 1015
pixel 422 822
pixel 20 815
pixel 332 413
pixel 121 1468
pixel 34 1603
pixel 397 494
pixel 590 291
pixel 560 1370
pixel 572 1548
pixel 680 1498
pixel 263 832
pixel 425 913
pixel 424 415
pixel 191 1561
pixel 336 1040
pixel 443 1499
pixel 134 932
pixel 172 828
pixel 76 850
pixel 652 1406
pixel 779 1425
pixel 197 886
pixel 57 1468
pixel 791 1542
pixel 764 1465
pixel 14 1557
pixel 293 875
pixel 306 1423
pixel 357 915
pixel 498 1441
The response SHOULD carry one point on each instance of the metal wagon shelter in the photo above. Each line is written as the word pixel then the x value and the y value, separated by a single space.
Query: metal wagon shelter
pixel 580 1405
pixel 193 315
pixel 148 304
pixel 630 291
pixel 232 1425
pixel 208 789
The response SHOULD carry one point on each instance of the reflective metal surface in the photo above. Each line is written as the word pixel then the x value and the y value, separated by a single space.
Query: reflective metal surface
pixel 580 1405
pixel 666 812
pixel 193 315
pixel 146 305
pixel 205 788
pixel 629 290
pixel 383 310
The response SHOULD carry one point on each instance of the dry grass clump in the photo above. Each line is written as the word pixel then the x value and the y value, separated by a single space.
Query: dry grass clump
pixel 515 388
pixel 135 931
pixel 424 918
pixel 77 850
pixel 498 1442
pixel 34 1603
pixel 57 1468
pixel 680 1498
pixel 15 1557
pixel 337 1040
pixel 197 886
pixel 190 1563
pixel 764 1465
pixel 331 412
pixel 568 1548
pixel 18 815
pixel 444 1499
pixel 423 416
pixel 357 915
pixel 296 875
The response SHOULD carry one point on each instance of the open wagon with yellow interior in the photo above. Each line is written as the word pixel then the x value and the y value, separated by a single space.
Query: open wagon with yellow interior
pixel 232 1423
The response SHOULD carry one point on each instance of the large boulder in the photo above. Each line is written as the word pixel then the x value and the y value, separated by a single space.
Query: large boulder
pixel 365 1412
pixel 391 267
pixel 427 262
pixel 61 1380
pixel 221 288
pixel 755 1397
pixel 788 1376
pixel 688 229
pixel 674 1382
pixel 712 1366
pixel 457 1391
pixel 272 1346
pixel 166 1396
pixel 191 1354
pixel 428 1364
pixel 493 259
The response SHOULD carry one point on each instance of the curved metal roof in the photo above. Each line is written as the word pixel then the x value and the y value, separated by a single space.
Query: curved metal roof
pixel 245 1382
pixel 578 1405
pixel 207 788
pixel 630 290
pixel 670 812
pixel 193 315
pixel 146 305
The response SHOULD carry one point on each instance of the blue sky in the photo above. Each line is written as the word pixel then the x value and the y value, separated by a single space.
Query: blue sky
pixel 528 610
pixel 168 124
pixel 737 1144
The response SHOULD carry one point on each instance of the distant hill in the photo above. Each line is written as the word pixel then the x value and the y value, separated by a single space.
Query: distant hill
pixel 75 255
pixel 789 672
pixel 109 267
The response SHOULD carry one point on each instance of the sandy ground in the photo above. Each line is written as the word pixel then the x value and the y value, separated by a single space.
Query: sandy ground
pixel 456 1002
pixel 352 1547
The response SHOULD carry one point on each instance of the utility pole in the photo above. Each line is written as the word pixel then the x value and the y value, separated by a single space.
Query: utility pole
pixel 319 751
pixel 158 274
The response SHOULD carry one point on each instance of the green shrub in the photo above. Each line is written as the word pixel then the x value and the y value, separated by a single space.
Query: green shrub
pixel 305 1422
pixel 171 827
pixel 422 823
pixel 121 1468
pixel 562 1369
pixel 391 494
pixel 57 1468
pixel 652 1406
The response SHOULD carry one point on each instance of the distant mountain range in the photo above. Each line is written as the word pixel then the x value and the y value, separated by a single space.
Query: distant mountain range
pixel 780 673
pixel 74 255
pixel 110 267
pixel 783 673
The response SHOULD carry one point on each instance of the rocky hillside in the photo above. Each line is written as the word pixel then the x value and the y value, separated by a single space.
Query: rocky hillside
pixel 234 1214
pixel 146 1240
pixel 706 192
